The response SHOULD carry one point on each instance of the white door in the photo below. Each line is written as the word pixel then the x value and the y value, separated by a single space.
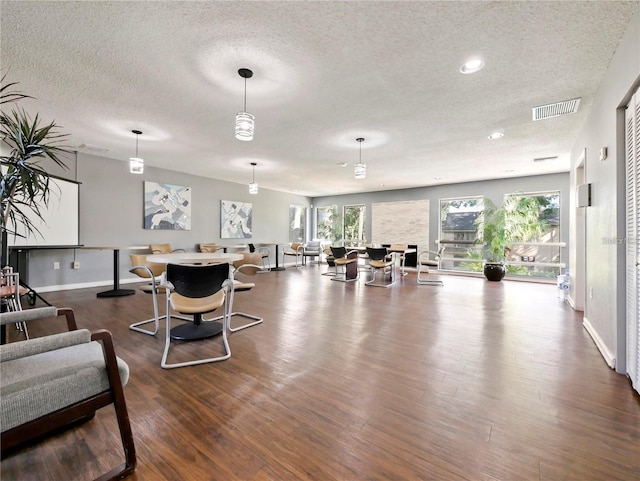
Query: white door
pixel 633 238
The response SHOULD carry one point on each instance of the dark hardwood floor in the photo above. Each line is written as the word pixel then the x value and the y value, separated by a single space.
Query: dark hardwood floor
pixel 471 381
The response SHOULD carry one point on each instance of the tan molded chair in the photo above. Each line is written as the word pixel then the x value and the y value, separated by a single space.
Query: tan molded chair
pixel 163 249
pixel 347 262
pixel 381 261
pixel 328 257
pixel 151 271
pixel 53 382
pixel 428 259
pixel 296 250
pixel 196 290
pixel 400 247
pixel 249 265
pixel 209 247
pixel 265 254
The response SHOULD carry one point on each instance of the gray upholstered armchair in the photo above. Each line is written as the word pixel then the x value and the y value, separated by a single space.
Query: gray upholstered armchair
pixel 51 382
pixel 312 249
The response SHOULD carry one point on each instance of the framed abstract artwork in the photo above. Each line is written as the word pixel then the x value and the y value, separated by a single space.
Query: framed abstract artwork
pixel 167 206
pixel 235 219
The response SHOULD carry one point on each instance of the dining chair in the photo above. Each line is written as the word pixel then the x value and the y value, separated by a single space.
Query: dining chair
pixel 380 260
pixel 207 247
pixel 347 261
pixel 295 249
pixel 426 259
pixel 153 272
pixel 265 254
pixel 249 265
pixel 163 249
pixel 312 249
pixel 196 290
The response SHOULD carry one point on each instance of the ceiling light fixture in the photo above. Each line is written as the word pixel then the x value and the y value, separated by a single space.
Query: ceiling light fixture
pixel 136 164
pixel 360 169
pixel 245 120
pixel 496 135
pixel 253 187
pixel 472 66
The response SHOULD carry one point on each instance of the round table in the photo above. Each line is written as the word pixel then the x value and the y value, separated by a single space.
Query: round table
pixel 194 258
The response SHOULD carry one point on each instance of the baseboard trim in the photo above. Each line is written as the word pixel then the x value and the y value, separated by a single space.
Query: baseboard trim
pixel 609 358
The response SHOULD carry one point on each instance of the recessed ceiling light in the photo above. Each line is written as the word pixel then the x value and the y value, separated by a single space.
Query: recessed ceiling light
pixel 437 178
pixel 496 135
pixel 472 66
pixel 342 164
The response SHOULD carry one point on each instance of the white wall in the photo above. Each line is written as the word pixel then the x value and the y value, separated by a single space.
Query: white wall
pixel 604 312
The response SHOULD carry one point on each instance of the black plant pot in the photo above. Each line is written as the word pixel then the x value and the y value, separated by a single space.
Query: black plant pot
pixel 494 271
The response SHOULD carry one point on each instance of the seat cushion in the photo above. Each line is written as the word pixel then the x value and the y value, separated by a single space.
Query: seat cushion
pixel 380 264
pixel 197 305
pixel 40 384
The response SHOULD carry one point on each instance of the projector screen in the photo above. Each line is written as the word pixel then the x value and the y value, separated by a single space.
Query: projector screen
pixel 61 219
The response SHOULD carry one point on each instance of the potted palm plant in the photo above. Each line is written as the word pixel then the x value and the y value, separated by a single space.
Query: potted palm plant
pixel 25 185
pixel 517 220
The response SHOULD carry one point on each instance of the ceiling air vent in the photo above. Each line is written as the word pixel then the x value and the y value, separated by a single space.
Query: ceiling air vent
pixel 545 159
pixel 555 110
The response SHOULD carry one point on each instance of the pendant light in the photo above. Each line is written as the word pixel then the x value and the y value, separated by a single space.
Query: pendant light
pixel 245 120
pixel 136 164
pixel 360 169
pixel 253 187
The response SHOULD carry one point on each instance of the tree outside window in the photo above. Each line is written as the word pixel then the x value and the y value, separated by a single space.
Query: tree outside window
pixel 328 224
pixel 354 217
pixel 297 222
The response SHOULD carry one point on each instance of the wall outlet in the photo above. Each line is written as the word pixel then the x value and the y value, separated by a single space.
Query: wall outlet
pixel 56 266
pixel 75 265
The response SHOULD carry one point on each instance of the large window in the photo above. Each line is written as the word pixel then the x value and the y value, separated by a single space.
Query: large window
pixel 328 224
pixel 297 223
pixel 353 226
pixel 459 233
pixel 536 256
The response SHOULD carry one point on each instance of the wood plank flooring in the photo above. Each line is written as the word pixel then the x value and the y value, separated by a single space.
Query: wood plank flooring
pixel 470 381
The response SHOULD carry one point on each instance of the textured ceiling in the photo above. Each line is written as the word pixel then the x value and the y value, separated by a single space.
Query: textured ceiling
pixel 325 73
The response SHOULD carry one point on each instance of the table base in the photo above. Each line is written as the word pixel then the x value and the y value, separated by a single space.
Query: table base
pixel 116 293
pixel 193 332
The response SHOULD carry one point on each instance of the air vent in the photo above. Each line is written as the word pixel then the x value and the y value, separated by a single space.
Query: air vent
pixel 545 159
pixel 555 110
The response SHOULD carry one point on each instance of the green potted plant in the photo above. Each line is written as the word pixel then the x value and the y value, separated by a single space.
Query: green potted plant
pixel 517 220
pixel 25 186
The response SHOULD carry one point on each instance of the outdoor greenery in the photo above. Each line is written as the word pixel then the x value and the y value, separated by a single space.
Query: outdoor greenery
pixel 354 217
pixel 519 219
pixel 329 224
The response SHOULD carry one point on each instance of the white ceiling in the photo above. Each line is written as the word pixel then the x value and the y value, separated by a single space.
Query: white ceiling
pixel 325 73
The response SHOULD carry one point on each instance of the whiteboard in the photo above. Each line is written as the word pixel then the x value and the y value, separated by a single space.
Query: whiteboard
pixel 61 219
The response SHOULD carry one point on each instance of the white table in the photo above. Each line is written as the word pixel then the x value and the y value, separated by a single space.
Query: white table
pixel 116 291
pixel 195 258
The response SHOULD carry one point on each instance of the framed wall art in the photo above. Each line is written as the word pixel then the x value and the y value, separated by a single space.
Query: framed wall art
pixel 167 206
pixel 235 219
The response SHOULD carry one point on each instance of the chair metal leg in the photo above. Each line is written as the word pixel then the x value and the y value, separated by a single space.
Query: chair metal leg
pixel 423 281
pixel 256 319
pixel 165 365
pixel 392 275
